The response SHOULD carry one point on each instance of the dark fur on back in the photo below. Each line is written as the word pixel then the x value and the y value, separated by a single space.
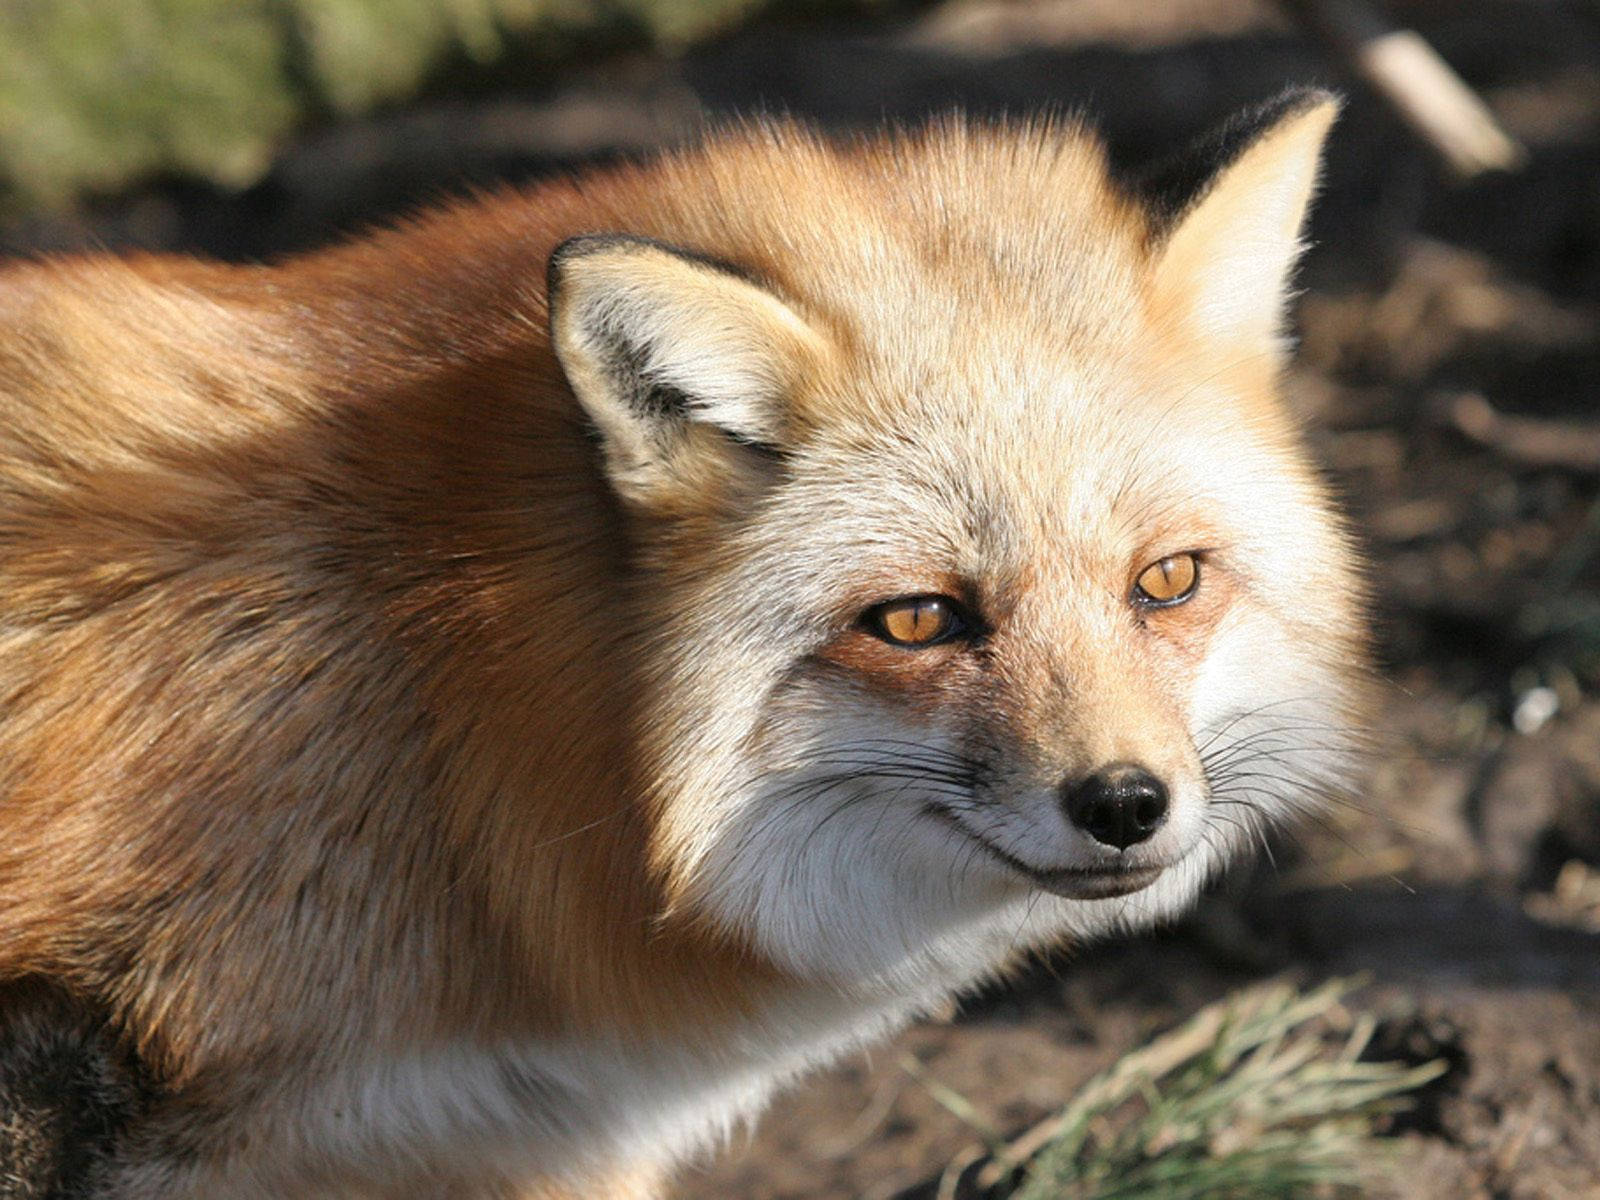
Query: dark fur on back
pixel 66 1089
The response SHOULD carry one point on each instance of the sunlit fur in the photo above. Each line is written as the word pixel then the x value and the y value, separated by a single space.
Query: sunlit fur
pixel 452 750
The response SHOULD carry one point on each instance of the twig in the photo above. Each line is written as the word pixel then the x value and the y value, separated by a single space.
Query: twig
pixel 952 1101
pixel 866 1122
pixel 950 1180
pixel 1530 441
pixel 1419 85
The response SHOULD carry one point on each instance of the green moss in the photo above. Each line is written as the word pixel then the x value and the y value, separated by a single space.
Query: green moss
pixel 97 94
pixel 92 94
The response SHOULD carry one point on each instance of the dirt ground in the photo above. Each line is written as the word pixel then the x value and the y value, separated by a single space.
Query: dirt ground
pixel 1449 373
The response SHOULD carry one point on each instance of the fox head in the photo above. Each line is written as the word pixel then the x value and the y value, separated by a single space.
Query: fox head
pixel 986 593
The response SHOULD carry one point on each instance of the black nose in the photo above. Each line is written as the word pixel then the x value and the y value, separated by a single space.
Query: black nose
pixel 1119 805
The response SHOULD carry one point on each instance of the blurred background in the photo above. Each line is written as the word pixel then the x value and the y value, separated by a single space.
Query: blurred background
pixel 1449 375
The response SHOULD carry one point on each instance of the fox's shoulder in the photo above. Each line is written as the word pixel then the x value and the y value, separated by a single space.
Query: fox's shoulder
pixel 104 357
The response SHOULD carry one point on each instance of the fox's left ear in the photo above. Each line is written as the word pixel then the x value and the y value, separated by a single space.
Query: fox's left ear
pixel 1229 214
pixel 685 367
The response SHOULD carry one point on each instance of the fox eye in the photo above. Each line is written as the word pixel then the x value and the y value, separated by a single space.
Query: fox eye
pixel 916 621
pixel 1170 581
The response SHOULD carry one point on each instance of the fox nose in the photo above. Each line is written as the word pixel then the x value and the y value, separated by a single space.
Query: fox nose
pixel 1119 805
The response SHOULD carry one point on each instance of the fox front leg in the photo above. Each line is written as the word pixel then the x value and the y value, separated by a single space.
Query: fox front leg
pixel 66 1092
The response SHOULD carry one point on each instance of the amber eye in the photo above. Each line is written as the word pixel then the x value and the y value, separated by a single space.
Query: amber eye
pixel 915 621
pixel 1170 581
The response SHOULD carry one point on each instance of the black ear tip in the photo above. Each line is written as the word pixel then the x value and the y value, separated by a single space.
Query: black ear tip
pixel 594 243
pixel 553 266
pixel 1173 184
pixel 577 247
pixel 585 244
pixel 1300 98
pixel 1235 133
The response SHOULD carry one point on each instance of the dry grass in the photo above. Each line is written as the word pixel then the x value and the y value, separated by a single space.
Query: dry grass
pixel 1261 1096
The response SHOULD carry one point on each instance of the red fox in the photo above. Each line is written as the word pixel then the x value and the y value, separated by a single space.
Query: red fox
pixel 484 705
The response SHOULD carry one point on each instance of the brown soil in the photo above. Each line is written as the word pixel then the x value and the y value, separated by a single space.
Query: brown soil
pixel 1466 881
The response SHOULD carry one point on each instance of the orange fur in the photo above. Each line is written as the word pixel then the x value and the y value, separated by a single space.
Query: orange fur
pixel 334 719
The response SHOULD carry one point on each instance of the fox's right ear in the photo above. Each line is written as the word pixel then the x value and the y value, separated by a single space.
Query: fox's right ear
pixel 1228 214
pixel 682 364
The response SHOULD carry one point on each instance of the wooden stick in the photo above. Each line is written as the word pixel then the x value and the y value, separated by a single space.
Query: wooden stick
pixel 1526 441
pixel 1419 85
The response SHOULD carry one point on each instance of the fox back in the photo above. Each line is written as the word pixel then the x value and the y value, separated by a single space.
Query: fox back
pixel 483 705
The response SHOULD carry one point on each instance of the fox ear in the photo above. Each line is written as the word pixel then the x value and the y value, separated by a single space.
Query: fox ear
pixel 1229 214
pixel 682 364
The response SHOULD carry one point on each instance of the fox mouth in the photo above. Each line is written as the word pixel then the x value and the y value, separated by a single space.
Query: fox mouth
pixel 1095 885
pixel 1073 883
